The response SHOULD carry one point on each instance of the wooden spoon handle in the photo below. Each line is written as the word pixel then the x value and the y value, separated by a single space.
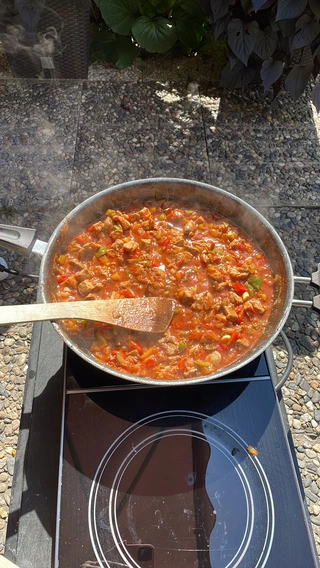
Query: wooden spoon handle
pixel 141 314
pixel 42 312
pixel 5 563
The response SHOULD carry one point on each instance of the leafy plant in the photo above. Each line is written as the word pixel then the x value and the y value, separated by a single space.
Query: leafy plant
pixel 155 26
pixel 273 41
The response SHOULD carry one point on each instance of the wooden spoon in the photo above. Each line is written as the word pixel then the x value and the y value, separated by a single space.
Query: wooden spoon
pixel 5 563
pixel 141 314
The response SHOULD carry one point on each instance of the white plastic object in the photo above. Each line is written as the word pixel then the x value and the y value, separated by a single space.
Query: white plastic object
pixel 3 275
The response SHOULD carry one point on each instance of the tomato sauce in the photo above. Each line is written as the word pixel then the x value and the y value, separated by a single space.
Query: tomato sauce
pixel 220 279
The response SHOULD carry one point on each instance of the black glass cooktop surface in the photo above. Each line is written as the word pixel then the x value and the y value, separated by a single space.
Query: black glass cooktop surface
pixel 192 477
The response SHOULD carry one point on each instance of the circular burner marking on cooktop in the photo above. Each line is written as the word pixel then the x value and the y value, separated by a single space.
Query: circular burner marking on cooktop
pixel 222 513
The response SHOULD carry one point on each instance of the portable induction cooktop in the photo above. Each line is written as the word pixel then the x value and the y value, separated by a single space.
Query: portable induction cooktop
pixel 192 477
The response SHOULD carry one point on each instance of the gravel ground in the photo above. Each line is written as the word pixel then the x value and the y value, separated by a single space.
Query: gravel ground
pixel 64 141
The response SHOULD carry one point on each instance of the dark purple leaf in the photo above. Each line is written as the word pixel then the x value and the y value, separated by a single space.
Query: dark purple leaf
pixel 220 8
pixel 303 21
pixel 266 43
pixel 239 76
pixel 30 11
pixel 306 35
pixel 297 80
pixel 270 72
pixel 267 4
pixel 288 9
pixel 257 4
pixel 241 38
pixel 220 27
pixel 317 52
pixel 315 7
pixel 316 68
pixel 246 6
pixel 315 97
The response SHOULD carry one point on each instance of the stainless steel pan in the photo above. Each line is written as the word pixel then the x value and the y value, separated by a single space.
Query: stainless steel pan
pixel 236 210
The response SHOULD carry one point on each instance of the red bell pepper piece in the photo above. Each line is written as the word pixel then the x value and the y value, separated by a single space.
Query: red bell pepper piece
pixel 135 345
pixel 240 288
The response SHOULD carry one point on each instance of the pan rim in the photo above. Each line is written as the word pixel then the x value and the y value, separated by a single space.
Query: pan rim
pixel 177 181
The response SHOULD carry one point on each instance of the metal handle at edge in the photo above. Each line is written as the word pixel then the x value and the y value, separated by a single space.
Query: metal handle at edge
pixel 313 281
pixel 21 240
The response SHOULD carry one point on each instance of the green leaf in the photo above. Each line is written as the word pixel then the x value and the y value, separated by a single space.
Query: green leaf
pixel 270 72
pixel 266 43
pixel 110 47
pixel 288 9
pixel 101 37
pixel 297 80
pixel 126 51
pixel 315 7
pixel 189 31
pixel 241 38
pixel 165 6
pixel 120 14
pixel 192 8
pixel 147 9
pixel 237 76
pixel 156 35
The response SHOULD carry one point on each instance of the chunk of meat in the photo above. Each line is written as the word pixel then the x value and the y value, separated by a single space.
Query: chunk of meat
pixel 99 226
pixel 183 258
pixel 116 234
pixel 117 245
pixel 88 250
pixel 92 297
pixel 214 358
pixel 186 297
pixel 239 273
pixel 145 244
pixel 190 228
pixel 243 342
pixel 75 264
pixel 204 301
pixel 146 216
pixel 170 345
pixel 83 275
pixel 230 313
pixel 130 246
pixel 258 307
pixel 215 273
pixel 86 287
pixel 121 219
pixel 70 283
pixel 235 298
pixel 108 225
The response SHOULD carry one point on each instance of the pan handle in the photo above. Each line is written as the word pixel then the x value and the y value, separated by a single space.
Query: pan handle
pixel 21 240
pixel 313 281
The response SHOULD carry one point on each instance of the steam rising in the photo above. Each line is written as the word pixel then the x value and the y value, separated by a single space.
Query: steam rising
pixel 26 44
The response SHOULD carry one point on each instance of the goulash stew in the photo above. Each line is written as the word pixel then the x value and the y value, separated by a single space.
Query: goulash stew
pixel 220 279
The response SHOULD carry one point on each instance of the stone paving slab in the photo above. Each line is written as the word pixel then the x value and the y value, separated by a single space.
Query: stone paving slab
pixel 38 128
pixel 273 182
pixel 62 142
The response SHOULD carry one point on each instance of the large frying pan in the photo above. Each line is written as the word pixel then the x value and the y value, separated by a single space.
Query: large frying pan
pixel 222 202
